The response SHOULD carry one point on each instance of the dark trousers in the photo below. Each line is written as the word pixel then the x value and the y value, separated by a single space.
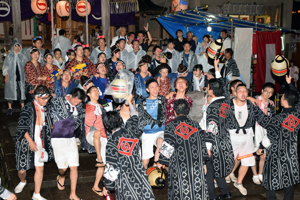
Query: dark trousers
pixel 210 182
pixel 77 132
pixel 288 194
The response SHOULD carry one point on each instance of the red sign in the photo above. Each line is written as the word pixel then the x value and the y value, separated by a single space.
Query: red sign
pixel 184 130
pixel 291 123
pixel 223 110
pixel 126 145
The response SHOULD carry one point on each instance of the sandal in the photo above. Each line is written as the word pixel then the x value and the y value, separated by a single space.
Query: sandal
pixel 99 164
pixel 58 183
pixel 99 192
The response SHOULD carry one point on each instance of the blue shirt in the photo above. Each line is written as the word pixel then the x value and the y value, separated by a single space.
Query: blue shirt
pixel 152 109
pixel 101 84
pixel 140 85
pixel 61 91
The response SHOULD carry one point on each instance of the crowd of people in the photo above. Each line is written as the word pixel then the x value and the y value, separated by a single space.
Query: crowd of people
pixel 65 94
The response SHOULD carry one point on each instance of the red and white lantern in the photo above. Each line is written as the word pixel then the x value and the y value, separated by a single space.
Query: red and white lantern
pixel 80 8
pixel 39 7
pixel 62 8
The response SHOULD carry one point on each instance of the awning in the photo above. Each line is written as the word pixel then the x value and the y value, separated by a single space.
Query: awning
pixel 197 20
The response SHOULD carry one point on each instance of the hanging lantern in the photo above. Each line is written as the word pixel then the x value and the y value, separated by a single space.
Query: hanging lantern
pixel 39 7
pixel 280 65
pixel 62 8
pixel 80 8
pixel 215 49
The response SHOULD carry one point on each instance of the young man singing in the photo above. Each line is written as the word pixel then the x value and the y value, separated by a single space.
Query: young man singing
pixel 152 115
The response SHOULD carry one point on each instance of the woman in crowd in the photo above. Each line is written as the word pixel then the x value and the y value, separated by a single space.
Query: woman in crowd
pixel 181 88
pixel 13 70
pixel 33 73
pixel 201 52
pixel 115 56
pixel 164 82
pixel 38 43
pixel 47 69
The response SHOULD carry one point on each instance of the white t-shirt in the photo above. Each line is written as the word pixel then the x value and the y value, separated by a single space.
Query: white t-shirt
pixel 241 115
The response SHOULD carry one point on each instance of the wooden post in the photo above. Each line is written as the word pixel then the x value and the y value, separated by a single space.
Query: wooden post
pixel 105 12
pixel 16 18
pixel 70 20
pixel 52 24
pixel 86 23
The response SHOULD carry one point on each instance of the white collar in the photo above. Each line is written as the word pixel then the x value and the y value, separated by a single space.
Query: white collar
pixel 216 98
pixel 97 110
pixel 72 108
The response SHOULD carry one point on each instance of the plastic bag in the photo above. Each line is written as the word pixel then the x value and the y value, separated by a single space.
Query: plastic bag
pixel 120 86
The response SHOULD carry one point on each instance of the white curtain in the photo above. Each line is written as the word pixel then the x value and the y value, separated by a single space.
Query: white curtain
pixel 243 51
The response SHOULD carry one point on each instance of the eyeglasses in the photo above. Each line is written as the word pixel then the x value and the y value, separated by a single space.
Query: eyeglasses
pixel 266 91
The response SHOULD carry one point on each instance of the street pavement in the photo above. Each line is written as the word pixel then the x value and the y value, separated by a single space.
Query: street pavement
pixel 86 170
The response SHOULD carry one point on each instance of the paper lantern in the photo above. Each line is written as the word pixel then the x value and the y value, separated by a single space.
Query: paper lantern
pixel 215 49
pixel 39 7
pixel 62 8
pixel 119 90
pixel 279 65
pixel 80 8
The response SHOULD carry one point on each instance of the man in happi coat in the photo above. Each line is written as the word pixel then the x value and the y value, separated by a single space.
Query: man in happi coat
pixel 125 172
pixel 152 117
pixel 281 170
pixel 240 120
pixel 67 117
pixel 185 152
pixel 218 141
pixel 33 140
